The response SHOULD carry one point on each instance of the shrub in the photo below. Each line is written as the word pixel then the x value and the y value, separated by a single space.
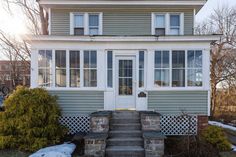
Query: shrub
pixel 215 136
pixel 30 120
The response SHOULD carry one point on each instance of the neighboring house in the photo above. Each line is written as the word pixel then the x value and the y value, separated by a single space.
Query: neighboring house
pixel 14 73
pixel 109 55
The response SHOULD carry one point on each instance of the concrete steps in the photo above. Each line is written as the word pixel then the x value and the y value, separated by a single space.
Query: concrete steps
pixel 125 135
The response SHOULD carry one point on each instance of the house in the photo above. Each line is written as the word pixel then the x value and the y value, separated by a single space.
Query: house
pixel 132 54
pixel 14 73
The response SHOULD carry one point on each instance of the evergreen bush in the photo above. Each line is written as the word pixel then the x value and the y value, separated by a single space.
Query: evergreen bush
pixel 30 120
pixel 215 136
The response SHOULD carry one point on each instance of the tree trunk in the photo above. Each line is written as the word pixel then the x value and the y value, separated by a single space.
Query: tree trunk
pixel 44 20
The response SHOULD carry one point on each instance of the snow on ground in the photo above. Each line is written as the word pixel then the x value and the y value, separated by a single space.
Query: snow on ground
pixel 234 148
pixel 222 125
pixel 63 150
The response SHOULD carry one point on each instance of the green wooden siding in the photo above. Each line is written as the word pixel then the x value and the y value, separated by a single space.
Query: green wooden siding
pixel 118 21
pixel 79 102
pixel 174 102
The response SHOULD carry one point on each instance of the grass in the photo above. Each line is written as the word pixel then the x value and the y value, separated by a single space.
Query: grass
pixel 13 153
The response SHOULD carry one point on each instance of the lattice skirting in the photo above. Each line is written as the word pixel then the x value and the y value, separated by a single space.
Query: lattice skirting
pixel 170 124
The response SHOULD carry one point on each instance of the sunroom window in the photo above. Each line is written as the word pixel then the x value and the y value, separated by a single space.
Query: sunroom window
pixel 178 68
pixel 74 68
pixel 175 24
pixel 60 68
pixel 90 69
pixel 162 66
pixel 45 68
pixel 194 72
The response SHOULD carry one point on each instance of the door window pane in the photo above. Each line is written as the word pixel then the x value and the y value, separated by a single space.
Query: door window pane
pixel 125 77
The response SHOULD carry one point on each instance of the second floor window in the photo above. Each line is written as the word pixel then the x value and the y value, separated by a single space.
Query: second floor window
pixel 175 24
pixel 160 25
pixel 86 24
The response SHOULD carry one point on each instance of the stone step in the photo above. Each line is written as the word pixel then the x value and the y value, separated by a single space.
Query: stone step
pixel 132 126
pixel 124 120
pixel 124 151
pixel 125 141
pixel 125 114
pixel 125 133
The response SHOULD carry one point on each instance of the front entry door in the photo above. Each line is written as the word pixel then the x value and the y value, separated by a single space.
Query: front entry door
pixel 125 82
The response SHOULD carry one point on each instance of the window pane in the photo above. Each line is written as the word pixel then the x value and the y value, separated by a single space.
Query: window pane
pixel 93 78
pixel 160 31
pixel 74 78
pixel 41 58
pixel 86 78
pixel 165 59
pixel 79 21
pixel 61 77
pixel 109 78
pixel 190 58
pixel 198 59
pixel 93 59
pixel 74 59
pixel 93 31
pixel 48 58
pixel 178 77
pixel 44 78
pixel 157 78
pixel 178 59
pixel 158 59
pixel 162 77
pixel 79 31
pixel 141 78
pixel 160 21
pixel 60 58
pixel 194 77
pixel 174 31
pixel 109 59
pixel 174 20
pixel 141 59
pixel 93 20
pixel 86 59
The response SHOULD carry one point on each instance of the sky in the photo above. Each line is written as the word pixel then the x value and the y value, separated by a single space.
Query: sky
pixel 14 23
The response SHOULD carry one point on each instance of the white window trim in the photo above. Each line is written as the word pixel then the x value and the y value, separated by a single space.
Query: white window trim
pixel 86 22
pixel 167 22
pixel 186 87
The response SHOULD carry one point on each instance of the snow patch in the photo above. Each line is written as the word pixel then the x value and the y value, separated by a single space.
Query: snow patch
pixel 234 148
pixel 63 150
pixel 222 125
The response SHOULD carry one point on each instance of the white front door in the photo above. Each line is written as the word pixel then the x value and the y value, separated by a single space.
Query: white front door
pixel 125 82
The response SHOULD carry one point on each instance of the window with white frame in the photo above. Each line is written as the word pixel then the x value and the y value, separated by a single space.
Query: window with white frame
pixel 78 24
pixel 194 68
pixel 162 69
pixel 74 68
pixel 60 73
pixel 109 68
pixel 174 24
pixel 86 24
pixel 167 23
pixel 160 24
pixel 90 69
pixel 178 68
pixel 45 68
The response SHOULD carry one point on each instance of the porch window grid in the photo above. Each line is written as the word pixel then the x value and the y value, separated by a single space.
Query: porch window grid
pixel 74 68
pixel 45 68
pixel 90 68
pixel 109 69
pixel 162 69
pixel 60 74
pixel 194 68
pixel 178 68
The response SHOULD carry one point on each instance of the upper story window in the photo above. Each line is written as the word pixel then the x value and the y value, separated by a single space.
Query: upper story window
pixel 78 24
pixel 86 23
pixel 175 24
pixel 160 28
pixel 167 24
